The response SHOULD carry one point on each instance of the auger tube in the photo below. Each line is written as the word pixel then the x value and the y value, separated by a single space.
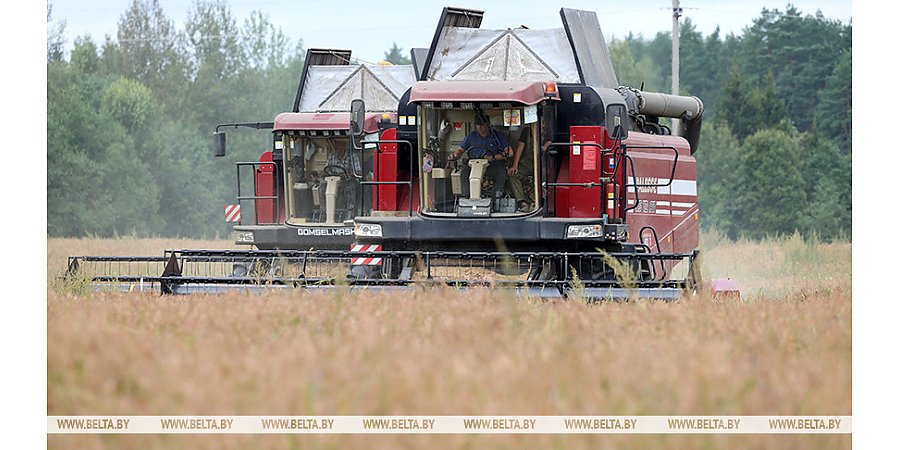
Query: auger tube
pixel 667 105
pixel 687 109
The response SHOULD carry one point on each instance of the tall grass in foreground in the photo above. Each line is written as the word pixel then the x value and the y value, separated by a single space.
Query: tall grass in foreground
pixel 785 348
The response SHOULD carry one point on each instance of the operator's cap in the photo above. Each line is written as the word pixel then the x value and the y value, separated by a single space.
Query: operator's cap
pixel 482 119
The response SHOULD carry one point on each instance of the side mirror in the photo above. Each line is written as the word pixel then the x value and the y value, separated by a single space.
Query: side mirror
pixel 357 117
pixel 219 143
pixel 617 121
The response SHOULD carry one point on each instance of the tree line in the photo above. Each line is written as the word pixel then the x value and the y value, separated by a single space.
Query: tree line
pixel 775 153
pixel 129 119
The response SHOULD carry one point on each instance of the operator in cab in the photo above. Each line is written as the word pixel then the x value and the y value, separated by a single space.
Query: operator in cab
pixel 485 143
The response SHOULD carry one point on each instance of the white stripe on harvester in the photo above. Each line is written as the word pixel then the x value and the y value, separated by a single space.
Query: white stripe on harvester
pixel 680 187
pixel 684 187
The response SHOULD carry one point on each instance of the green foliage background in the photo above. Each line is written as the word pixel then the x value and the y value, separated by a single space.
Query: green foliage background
pixel 776 147
pixel 129 120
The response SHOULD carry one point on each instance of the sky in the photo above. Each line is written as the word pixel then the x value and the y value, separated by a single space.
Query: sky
pixel 369 28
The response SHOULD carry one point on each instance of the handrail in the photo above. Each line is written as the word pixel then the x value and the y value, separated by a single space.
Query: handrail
pixel 274 198
pixel 634 172
pixel 658 248
pixel 375 182
pixel 589 185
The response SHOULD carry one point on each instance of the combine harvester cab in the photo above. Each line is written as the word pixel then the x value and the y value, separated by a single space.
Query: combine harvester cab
pixel 605 203
pixel 305 192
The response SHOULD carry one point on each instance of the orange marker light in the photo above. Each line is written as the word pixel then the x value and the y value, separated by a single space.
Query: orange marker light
pixel 550 89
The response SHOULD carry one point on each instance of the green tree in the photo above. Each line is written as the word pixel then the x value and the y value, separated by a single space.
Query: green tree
pixel 213 38
pixel 84 59
pixel 707 71
pixel 213 41
pixel 693 68
pixel 827 181
pixel 766 108
pixel 128 102
pixel 750 109
pixel 265 46
pixel 395 55
pixel 769 195
pixel 96 182
pixel 801 50
pixel 734 108
pixel 834 118
pixel 629 71
pixel 56 39
pixel 717 163
pixel 147 41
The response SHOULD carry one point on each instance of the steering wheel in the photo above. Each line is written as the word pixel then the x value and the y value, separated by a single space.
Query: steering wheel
pixel 333 170
pixel 477 152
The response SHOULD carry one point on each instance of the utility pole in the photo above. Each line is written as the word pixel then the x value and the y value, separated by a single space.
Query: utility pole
pixel 676 13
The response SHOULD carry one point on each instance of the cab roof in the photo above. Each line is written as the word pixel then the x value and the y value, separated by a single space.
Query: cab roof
pixel 524 92
pixel 340 121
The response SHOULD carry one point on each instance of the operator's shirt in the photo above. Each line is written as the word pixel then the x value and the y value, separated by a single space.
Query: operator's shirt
pixel 495 143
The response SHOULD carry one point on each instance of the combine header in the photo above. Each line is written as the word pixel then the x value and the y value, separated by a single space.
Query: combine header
pixel 211 272
pixel 516 161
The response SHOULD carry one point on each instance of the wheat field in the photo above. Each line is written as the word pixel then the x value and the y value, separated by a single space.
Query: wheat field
pixel 784 348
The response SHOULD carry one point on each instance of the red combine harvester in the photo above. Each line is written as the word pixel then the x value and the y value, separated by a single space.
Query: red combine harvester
pixel 517 161
pixel 608 196
pixel 305 191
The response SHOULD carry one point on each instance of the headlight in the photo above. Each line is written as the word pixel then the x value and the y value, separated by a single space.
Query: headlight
pixel 367 230
pixel 584 231
pixel 245 237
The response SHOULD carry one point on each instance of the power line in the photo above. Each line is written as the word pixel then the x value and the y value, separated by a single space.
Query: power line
pixel 767 14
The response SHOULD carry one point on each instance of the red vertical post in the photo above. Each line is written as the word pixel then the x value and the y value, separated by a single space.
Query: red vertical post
pixel 585 167
pixel 385 195
pixel 265 187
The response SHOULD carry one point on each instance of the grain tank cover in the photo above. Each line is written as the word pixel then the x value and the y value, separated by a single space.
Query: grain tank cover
pixel 319 57
pixel 461 50
pixel 515 55
pixel 591 53
pixel 574 54
pixel 332 88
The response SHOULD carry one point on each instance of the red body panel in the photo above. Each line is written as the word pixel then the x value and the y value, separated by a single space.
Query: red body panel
pixel 385 197
pixel 671 210
pixel 404 197
pixel 265 187
pixel 584 166
pixel 390 197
